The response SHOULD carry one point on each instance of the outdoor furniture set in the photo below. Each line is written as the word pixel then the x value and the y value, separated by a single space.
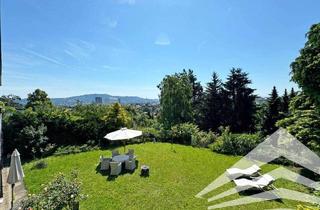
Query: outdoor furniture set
pixel 250 178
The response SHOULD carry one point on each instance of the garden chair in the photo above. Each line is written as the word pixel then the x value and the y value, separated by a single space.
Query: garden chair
pixel 130 164
pixel 259 183
pixel 130 153
pixel 248 172
pixel 104 163
pixel 115 168
pixel 115 152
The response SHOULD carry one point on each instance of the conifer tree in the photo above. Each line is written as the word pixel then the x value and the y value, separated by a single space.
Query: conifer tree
pixel 240 107
pixel 292 94
pixel 197 95
pixel 285 103
pixel 213 104
pixel 273 112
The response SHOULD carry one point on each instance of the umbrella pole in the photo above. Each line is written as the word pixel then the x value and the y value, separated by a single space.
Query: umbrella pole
pixel 12 195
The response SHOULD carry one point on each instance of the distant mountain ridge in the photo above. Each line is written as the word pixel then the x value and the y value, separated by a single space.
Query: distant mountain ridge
pixel 106 99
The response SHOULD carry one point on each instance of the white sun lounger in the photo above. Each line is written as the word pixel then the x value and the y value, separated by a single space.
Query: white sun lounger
pixel 237 172
pixel 259 183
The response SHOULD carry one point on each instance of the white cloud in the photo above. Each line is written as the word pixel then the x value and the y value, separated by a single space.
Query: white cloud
pixel 110 22
pixel 129 2
pixel 44 57
pixel 79 49
pixel 113 23
pixel 162 39
pixel 70 53
pixel 107 67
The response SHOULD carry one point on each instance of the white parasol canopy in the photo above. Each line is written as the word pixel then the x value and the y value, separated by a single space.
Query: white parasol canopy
pixel 15 172
pixel 123 134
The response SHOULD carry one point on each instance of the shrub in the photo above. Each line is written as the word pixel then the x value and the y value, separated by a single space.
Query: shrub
pixel 34 140
pixel 236 144
pixel 182 133
pixel 117 117
pixel 303 122
pixel 41 164
pixel 224 143
pixel 203 139
pixel 61 193
pixel 73 149
pixel 150 134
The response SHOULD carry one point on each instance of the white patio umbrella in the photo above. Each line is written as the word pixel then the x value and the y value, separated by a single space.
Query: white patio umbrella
pixel 15 172
pixel 123 134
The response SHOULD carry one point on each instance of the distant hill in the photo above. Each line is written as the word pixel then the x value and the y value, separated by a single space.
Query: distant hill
pixel 261 100
pixel 106 99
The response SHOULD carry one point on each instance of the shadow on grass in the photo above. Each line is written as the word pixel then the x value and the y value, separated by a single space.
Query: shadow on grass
pixel 255 193
pixel 102 172
pixel 309 174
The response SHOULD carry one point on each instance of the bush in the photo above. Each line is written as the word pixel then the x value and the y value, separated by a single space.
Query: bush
pixel 41 164
pixel 150 134
pixel 303 122
pixel 73 149
pixel 182 133
pixel 203 139
pixel 33 140
pixel 117 117
pixel 236 144
pixel 61 193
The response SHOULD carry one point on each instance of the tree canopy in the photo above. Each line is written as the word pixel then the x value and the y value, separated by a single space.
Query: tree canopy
pixel 273 112
pixel 240 108
pixel 175 99
pixel 117 117
pixel 213 104
pixel 306 67
pixel 304 121
pixel 38 98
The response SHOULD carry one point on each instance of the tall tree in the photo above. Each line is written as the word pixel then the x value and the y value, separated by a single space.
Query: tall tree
pixel 292 94
pixel 285 103
pixel 213 104
pixel 117 117
pixel 273 112
pixel 303 121
pixel 197 95
pixel 38 98
pixel 175 100
pixel 12 101
pixel 241 108
pixel 306 67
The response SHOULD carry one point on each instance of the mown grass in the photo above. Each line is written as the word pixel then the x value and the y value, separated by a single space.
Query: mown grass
pixel 177 174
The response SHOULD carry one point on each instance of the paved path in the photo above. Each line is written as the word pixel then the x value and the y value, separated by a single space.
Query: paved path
pixel 19 191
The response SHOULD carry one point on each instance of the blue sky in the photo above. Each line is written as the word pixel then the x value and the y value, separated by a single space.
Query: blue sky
pixel 126 47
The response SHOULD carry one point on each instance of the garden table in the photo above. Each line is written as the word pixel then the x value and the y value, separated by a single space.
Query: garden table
pixel 120 158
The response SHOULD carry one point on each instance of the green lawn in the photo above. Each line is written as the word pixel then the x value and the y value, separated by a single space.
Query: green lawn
pixel 177 174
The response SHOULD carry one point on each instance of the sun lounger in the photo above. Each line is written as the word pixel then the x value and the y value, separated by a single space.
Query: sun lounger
pixel 259 183
pixel 234 173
